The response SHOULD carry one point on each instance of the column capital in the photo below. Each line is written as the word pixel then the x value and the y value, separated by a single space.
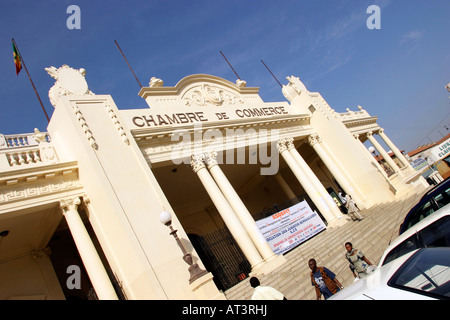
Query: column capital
pixel 289 143
pixel 211 159
pixel 356 136
pixel 86 199
pixel 313 139
pixel 281 145
pixel 197 162
pixel 67 203
pixel 370 133
pixel 381 131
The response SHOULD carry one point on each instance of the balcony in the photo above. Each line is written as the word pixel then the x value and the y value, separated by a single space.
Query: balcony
pixel 21 151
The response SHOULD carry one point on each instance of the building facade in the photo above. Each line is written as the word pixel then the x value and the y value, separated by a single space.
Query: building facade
pixel 432 160
pixel 85 207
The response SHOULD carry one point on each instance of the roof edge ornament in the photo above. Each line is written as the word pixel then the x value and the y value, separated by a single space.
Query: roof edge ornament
pixel 155 82
pixel 294 88
pixel 69 81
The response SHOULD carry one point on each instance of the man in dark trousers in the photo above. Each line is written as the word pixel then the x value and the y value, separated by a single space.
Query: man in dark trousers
pixel 323 280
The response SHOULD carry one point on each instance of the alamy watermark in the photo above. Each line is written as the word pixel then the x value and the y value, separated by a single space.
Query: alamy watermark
pixel 74 20
pixel 374 20
pixel 233 146
pixel 74 280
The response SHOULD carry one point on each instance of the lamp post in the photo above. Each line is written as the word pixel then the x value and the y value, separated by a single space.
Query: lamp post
pixel 194 270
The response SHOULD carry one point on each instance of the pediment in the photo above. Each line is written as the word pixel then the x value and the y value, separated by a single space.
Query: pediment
pixel 204 99
pixel 199 90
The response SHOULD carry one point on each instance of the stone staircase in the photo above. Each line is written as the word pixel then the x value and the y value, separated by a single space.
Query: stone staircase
pixel 372 235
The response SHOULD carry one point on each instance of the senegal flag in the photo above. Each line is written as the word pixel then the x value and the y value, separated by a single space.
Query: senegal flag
pixel 17 59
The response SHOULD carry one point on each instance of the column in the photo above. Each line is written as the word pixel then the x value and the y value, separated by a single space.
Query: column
pixel 305 182
pixel 315 142
pixel 383 153
pixel 313 178
pixel 226 212
pixel 91 260
pixel 238 206
pixel 283 184
pixel 394 149
pixel 370 157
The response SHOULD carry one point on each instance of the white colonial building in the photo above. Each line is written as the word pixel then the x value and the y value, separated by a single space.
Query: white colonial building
pixel 88 208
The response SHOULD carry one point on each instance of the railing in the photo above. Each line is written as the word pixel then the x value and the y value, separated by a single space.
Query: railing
pixel 24 157
pixel 20 140
pixel 354 115
pixel 20 150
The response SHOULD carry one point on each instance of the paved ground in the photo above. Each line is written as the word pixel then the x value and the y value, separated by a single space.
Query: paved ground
pixel 371 235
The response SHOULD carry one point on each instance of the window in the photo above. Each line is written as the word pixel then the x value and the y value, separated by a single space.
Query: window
pixel 427 272
pixel 442 198
pixel 403 248
pixel 420 213
pixel 436 234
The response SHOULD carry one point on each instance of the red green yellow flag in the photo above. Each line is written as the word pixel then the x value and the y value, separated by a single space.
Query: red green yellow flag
pixel 17 59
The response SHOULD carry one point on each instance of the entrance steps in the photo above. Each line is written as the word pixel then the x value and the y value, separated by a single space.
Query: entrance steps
pixel 371 235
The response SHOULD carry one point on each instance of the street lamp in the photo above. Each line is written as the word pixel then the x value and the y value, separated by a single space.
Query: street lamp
pixel 194 270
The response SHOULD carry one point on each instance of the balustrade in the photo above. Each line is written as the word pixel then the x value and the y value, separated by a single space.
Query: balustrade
pixel 21 149
pixel 20 140
pixel 23 157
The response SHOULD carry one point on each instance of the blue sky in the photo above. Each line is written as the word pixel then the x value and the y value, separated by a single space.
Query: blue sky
pixel 397 73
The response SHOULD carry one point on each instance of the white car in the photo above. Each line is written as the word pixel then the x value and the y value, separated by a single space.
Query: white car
pixel 432 231
pixel 422 274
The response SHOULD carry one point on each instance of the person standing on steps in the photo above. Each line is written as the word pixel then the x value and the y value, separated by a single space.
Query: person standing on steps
pixel 323 280
pixel 352 208
pixel 359 264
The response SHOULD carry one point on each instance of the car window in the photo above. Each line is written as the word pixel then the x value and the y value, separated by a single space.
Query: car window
pixel 406 246
pixel 420 213
pixel 427 272
pixel 437 234
pixel 442 198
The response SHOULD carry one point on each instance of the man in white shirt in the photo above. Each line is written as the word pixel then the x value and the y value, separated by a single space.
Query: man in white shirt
pixel 264 293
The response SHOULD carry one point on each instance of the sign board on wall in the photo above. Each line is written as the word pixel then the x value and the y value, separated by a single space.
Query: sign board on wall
pixel 442 150
pixel 288 228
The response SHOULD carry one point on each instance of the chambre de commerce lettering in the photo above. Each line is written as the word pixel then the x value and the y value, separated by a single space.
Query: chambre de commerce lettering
pixel 199 116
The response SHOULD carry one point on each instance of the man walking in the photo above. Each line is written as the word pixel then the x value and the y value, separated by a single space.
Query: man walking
pixel 323 280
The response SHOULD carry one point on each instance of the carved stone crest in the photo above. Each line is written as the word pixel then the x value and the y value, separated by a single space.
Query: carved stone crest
pixel 207 94
pixel 68 81
pixel 47 153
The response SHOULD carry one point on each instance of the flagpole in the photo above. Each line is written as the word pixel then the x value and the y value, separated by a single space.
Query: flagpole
pixel 29 77
pixel 230 65
pixel 128 63
pixel 272 74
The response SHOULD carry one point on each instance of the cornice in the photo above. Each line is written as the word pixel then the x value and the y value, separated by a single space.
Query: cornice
pixel 150 134
pixel 35 174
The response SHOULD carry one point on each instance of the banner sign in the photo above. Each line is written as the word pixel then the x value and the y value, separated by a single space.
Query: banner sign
pixel 288 228
pixel 419 164
pixel 442 150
